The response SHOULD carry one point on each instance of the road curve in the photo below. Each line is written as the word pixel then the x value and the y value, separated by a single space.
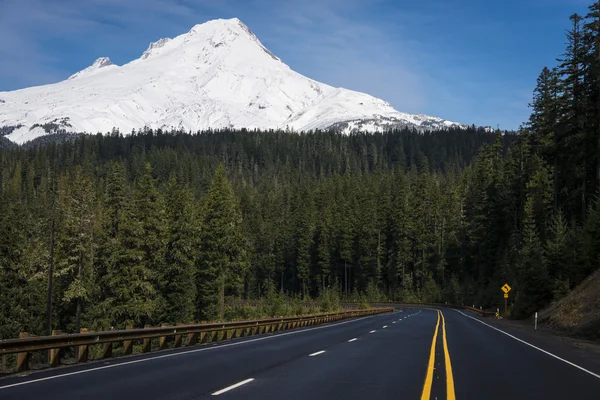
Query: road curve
pixel 409 354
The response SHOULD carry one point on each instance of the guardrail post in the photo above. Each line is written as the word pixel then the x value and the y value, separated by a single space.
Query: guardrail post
pixel 23 358
pixel 108 347
pixel 162 341
pixel 192 339
pixel 128 344
pixel 82 351
pixel 147 342
pixel 202 337
pixel 54 354
pixel 178 338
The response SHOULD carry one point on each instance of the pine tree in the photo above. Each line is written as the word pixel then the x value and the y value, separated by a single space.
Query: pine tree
pixel 544 116
pixel 571 134
pixel 556 255
pixel 75 244
pixel 178 282
pixel 533 290
pixel 148 212
pixel 592 85
pixel 324 253
pixel 591 232
pixel 222 256
pixel 129 297
pixel 303 239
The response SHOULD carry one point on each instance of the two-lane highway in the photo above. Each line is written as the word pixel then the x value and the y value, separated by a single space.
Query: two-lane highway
pixel 409 354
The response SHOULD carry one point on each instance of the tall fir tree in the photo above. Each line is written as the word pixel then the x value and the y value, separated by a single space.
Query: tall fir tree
pixel 129 296
pixel 178 282
pixel 222 254
pixel 75 245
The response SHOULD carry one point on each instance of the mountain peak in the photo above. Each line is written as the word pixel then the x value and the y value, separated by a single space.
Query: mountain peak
pixel 155 45
pixel 101 62
pixel 217 75
pixel 226 31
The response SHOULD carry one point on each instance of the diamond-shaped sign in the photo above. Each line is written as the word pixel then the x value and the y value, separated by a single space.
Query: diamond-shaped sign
pixel 506 288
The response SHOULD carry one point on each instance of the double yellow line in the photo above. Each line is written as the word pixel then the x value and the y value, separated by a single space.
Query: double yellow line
pixel 449 377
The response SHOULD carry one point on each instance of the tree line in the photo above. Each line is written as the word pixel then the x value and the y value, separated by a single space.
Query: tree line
pixel 159 227
pixel 164 227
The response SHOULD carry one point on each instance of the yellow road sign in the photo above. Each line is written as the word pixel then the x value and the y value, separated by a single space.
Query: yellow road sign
pixel 506 288
pixel 506 295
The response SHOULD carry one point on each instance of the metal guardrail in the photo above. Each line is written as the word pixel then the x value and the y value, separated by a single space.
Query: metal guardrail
pixel 354 305
pixel 474 310
pixel 193 334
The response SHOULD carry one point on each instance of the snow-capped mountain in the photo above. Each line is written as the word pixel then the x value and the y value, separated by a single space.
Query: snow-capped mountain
pixel 215 76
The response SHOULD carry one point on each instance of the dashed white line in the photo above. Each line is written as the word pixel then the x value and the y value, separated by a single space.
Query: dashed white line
pixel 393 322
pixel 317 353
pixel 373 331
pixel 385 326
pixel 228 388
pixel 535 347
pixel 352 340
pixel 181 353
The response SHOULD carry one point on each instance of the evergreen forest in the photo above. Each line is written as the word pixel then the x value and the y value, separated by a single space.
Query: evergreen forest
pixel 166 227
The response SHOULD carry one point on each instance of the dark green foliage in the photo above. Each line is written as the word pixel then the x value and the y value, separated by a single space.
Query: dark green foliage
pixel 75 246
pixel 128 295
pixel 178 281
pixel 222 255
pixel 162 227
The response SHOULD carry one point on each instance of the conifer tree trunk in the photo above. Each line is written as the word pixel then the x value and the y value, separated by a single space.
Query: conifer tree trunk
pixel 50 279
pixel 222 299
pixel 78 311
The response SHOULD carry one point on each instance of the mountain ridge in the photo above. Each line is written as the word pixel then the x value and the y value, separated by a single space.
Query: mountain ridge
pixel 217 75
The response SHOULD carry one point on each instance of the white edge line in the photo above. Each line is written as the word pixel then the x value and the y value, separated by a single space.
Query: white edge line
pixel 228 388
pixel 317 353
pixel 535 347
pixel 184 352
pixel 352 340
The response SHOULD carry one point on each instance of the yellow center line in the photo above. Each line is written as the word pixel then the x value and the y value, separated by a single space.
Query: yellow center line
pixel 429 378
pixel 450 395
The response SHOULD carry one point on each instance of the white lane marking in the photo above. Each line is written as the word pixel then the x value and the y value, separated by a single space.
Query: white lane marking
pixel 228 388
pixel 352 340
pixel 184 352
pixel 393 322
pixel 535 347
pixel 317 353
pixel 373 331
pixel 385 326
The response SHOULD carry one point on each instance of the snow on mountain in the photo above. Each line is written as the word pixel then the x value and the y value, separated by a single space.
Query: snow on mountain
pixel 217 75
pixel 102 62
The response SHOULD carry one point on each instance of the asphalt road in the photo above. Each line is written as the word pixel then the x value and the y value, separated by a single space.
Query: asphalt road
pixel 410 354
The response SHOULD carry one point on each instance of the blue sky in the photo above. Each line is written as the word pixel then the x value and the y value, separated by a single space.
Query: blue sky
pixel 472 61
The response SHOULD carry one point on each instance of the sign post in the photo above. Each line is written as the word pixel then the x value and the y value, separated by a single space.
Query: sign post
pixel 505 289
